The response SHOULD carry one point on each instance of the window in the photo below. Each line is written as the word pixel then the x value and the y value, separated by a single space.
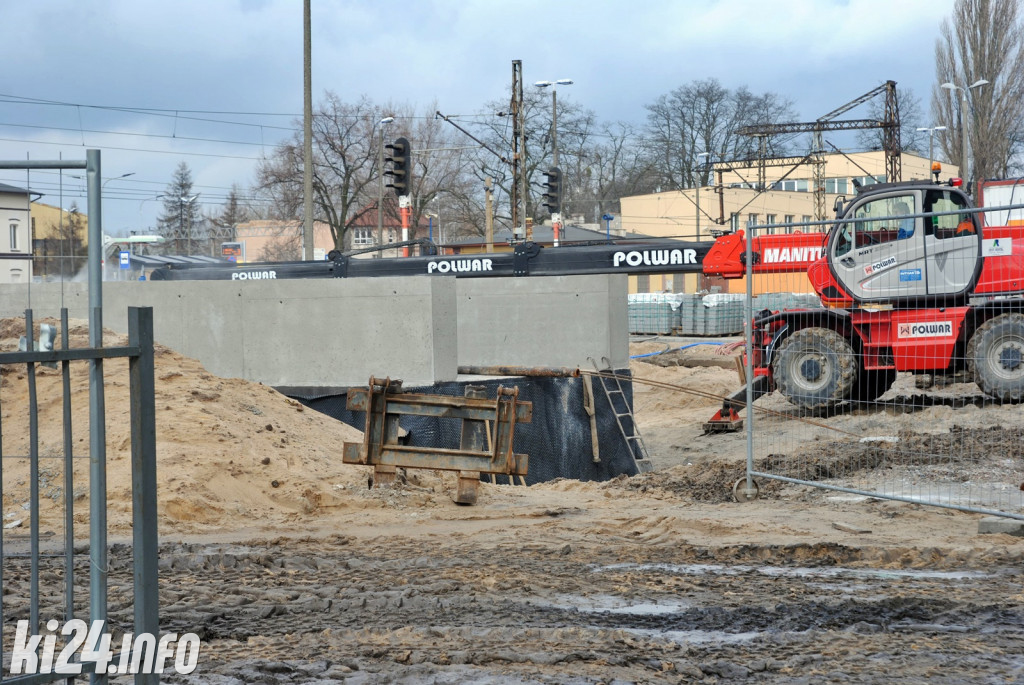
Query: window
pixel 14 237
pixel 769 219
pixel 751 220
pixel 793 186
pixel 734 221
pixel 835 186
pixel 879 225
pixel 870 180
pixel 362 237
pixel 950 225
pixel 788 220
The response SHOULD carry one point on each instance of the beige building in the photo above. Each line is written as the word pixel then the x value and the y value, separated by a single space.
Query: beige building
pixel 266 240
pixel 15 235
pixel 734 202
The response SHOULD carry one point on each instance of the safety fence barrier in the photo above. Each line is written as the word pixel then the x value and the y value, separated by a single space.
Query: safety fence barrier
pixel 908 385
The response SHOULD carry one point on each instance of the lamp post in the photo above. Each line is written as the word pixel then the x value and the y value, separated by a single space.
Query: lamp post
pixel 380 186
pixel 701 158
pixel 964 133
pixel 182 201
pixel 931 141
pixel 554 112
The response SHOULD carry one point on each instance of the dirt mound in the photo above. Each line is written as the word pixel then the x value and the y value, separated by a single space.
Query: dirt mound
pixel 231 453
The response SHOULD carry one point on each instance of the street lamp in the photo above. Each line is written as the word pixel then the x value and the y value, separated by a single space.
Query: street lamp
pixel 554 112
pixel 380 186
pixel 182 201
pixel 701 159
pixel 931 141
pixel 964 133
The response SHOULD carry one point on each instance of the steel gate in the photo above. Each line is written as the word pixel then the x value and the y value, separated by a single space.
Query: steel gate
pixel 42 572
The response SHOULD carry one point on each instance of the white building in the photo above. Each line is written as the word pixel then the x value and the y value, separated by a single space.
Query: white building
pixel 15 235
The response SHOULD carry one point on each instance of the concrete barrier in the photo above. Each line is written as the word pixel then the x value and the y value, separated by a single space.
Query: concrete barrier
pixel 336 333
pixel 544 321
pixel 326 333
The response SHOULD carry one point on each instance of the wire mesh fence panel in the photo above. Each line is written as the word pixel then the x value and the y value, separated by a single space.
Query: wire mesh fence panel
pixel 906 382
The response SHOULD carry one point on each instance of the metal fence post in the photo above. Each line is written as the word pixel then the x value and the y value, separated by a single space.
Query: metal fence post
pixel 144 510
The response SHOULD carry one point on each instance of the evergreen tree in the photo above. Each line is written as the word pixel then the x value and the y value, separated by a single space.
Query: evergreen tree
pixel 180 222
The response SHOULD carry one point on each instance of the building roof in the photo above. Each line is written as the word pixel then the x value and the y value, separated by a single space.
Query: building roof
pixel 4 188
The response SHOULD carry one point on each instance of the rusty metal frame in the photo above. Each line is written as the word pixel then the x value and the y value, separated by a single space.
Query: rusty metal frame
pixel 384 402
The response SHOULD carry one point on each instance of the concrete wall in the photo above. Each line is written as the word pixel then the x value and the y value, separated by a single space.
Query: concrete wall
pixel 332 333
pixel 552 321
pixel 291 333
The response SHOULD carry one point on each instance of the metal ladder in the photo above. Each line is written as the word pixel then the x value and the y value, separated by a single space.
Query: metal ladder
pixel 621 409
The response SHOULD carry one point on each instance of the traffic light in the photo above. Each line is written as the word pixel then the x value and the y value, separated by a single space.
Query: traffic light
pixel 399 153
pixel 553 190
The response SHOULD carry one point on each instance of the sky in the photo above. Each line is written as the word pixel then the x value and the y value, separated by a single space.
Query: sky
pixel 217 83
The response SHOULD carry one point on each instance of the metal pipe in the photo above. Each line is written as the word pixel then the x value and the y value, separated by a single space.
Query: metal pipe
pixel 534 371
pixel 144 489
pixel 95 249
pixel 33 475
pixel 69 477
pixel 97 409
pixel 748 327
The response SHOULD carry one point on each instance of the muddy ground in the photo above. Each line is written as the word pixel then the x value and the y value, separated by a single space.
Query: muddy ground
pixel 660 578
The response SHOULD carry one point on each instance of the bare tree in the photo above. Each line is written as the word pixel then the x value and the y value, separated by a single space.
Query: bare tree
pixel 704 117
pixel 983 40
pixel 345 167
pixel 347 173
pixel 617 165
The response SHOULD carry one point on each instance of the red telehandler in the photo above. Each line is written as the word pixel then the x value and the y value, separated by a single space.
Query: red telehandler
pixel 911 281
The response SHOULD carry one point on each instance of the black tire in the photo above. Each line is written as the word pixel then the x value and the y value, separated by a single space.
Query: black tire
pixel 995 357
pixel 872 384
pixel 815 368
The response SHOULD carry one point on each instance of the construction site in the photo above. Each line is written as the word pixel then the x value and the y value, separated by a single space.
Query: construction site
pixel 494 469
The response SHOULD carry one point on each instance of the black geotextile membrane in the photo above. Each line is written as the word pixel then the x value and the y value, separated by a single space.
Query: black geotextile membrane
pixel 557 440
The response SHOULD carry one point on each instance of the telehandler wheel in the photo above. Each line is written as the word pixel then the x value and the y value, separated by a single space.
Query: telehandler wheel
pixel 995 357
pixel 872 384
pixel 815 368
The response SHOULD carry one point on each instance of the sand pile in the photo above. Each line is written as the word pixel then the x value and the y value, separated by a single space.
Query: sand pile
pixel 231 453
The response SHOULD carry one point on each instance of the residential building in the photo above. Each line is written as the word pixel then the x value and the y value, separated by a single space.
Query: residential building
pixel 268 240
pixel 15 235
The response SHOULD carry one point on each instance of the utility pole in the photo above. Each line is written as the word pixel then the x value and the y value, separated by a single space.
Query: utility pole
pixel 518 153
pixel 380 187
pixel 701 157
pixel 489 217
pixel 307 135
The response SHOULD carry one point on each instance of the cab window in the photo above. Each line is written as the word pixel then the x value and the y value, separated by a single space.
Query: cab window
pixel 949 225
pixel 880 223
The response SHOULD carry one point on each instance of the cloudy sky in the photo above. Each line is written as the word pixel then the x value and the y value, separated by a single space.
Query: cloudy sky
pixel 144 80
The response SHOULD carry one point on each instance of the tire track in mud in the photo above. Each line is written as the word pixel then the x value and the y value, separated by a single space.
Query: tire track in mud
pixel 558 611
